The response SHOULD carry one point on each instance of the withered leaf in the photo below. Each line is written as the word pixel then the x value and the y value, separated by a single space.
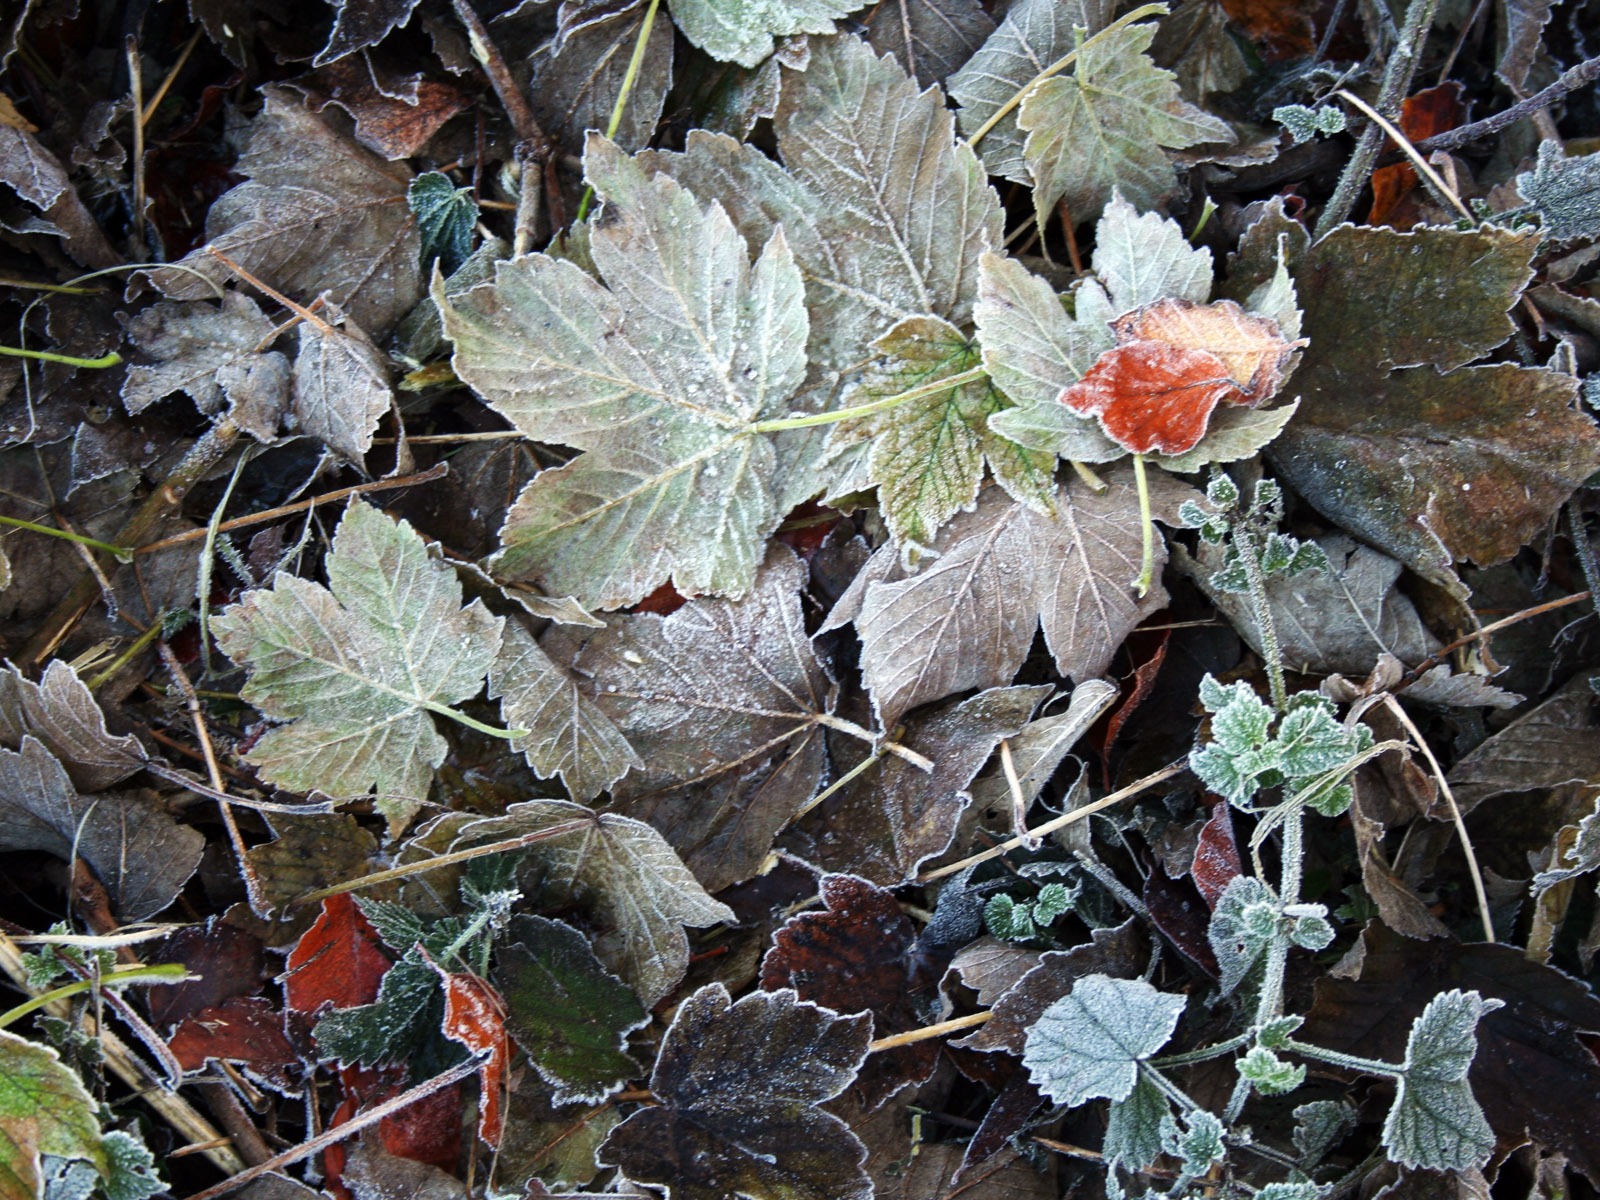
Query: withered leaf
pixel 317 215
pixel 337 961
pixel 577 77
pixel 61 713
pixel 310 851
pixel 1432 467
pixel 570 1016
pixel 243 1029
pixel 625 873
pixel 739 1085
pixel 1555 743
pixel 474 1015
pixel 141 855
pixel 886 823
pixel 930 39
pixel 362 23
pixel 190 345
pixel 725 706
pixel 859 956
pixel 341 388
pixel 743 33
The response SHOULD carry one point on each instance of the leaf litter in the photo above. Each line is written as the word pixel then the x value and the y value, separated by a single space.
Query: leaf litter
pixel 743 773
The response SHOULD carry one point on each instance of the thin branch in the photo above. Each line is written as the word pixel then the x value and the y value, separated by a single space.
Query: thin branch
pixel 928 1031
pixel 1438 656
pixel 1577 77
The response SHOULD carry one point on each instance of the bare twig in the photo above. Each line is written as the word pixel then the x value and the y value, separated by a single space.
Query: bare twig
pixel 1577 77
pixel 928 1031
pixel 1438 656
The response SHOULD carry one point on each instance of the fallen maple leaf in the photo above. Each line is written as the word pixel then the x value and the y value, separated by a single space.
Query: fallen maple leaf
pixel 1174 362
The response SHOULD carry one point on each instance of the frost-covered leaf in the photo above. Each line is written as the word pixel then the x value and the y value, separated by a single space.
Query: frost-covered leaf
pixel 568 733
pixel 725 704
pixel 968 617
pixel 742 31
pixel 1144 257
pixel 190 345
pixel 445 215
pixel 356 671
pixel 569 1014
pixel 341 388
pixel 886 212
pixel 1435 1122
pixel 1034 34
pixel 930 39
pixel 1583 857
pixel 358 24
pixel 739 1086
pixel 1038 750
pixel 1243 924
pixel 1269 1074
pixel 62 714
pixel 577 76
pixel 318 215
pixel 887 822
pixel 407 1009
pixel 927 456
pixel 1089 1043
pixel 141 855
pixel 1195 1141
pixel 1319 1125
pixel 655 376
pixel 474 1016
pixel 1565 192
pixel 1133 1127
pixel 45 1111
pixel 624 873
pixel 1553 744
pixel 1107 126
pixel 1431 467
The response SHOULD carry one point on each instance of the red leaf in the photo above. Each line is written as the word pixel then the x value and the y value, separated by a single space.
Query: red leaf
pixel 1147 647
pixel 1431 111
pixel 664 601
pixel 474 1015
pixel 427 1130
pixel 246 1029
pixel 1216 858
pixel 227 960
pixel 1151 395
pixel 337 961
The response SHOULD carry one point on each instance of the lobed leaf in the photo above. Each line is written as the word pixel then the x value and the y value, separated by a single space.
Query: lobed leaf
pixel 1435 1122
pixel 743 31
pixel 1090 1042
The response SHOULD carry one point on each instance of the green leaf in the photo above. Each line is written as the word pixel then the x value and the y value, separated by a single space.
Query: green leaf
pixel 1142 258
pixel 1197 1142
pixel 569 1014
pixel 1435 1122
pixel 446 216
pixel 655 377
pixel 1318 1126
pixel 1004 918
pixel 1107 126
pixel 1089 1043
pixel 409 1007
pixel 1269 1074
pixel 356 669
pixel 1565 192
pixel 1034 34
pixel 45 1110
pixel 1313 741
pixel 1306 124
pixel 1053 901
pixel 927 456
pixel 1243 924
pixel 624 872
pixel 1133 1127
pixel 742 31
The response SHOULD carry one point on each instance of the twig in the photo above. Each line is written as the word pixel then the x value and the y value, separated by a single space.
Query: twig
pixel 1396 83
pixel 1579 76
pixel 136 96
pixel 1424 168
pixel 1438 656
pixel 928 1031
pixel 339 1133
pixel 1061 822
pixel 166 83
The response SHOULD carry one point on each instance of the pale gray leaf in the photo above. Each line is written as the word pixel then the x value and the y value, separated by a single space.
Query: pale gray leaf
pixel 1234 433
pixel 358 24
pixel 141 855
pixel 1089 1043
pixel 341 389
pixel 625 873
pixel 62 714
pixel 742 31
pixel 1034 34
pixel 576 79
pixel 930 39
pixel 317 215
pixel 1133 1127
pixel 568 734
pixel 189 343
pixel 1580 859
pixel 1040 746
pixel 1144 258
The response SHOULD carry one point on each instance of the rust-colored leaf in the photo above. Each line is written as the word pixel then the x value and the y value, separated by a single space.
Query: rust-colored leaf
pixel 1431 111
pixel 474 1015
pixel 1216 857
pixel 337 961
pixel 246 1029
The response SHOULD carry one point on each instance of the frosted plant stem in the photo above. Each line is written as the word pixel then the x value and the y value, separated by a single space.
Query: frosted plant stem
pixel 629 78
pixel 806 420
pixel 120 553
pixel 1270 649
pixel 1147 532
pixel 105 360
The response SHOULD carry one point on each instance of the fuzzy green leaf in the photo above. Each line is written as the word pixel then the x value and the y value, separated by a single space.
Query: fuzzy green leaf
pixel 1133 1127
pixel 1269 1074
pixel 1435 1122
pixel 1089 1043
pixel 1243 925
pixel 355 670
pixel 1565 192
pixel 446 216
pixel 742 31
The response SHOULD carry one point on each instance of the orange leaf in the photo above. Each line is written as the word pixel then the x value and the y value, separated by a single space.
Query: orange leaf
pixel 337 961
pixel 474 1015
pixel 1431 111
pixel 1251 348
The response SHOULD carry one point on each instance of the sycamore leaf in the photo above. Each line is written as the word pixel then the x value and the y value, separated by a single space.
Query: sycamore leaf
pixel 625 873
pixel 893 817
pixel 569 1014
pixel 62 714
pixel 968 617
pixel 1142 258
pixel 930 39
pixel 1397 439
pixel 1035 34
pixel 1435 1122
pixel 568 733
pixel 1105 126
pixel 739 1085
pixel 141 855
pixel 317 215
pixel 356 671
pixel 1089 1043
pixel 725 704
pixel 743 31
pixel 190 345
pixel 927 456
pixel 886 212
pixel 655 377
pixel 45 1110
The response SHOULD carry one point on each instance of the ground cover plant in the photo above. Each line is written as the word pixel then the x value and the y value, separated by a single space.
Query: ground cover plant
pixel 806 600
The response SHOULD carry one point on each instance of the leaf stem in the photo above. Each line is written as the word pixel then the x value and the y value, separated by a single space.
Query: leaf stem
pixel 960 379
pixel 1250 560
pixel 105 360
pixel 152 973
pixel 1060 65
pixel 1351 1062
pixel 1147 531
pixel 121 553
pixel 921 762
pixel 444 710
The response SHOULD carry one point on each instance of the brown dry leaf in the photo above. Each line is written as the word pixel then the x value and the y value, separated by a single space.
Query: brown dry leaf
pixel 62 714
pixel 1554 744
pixel 341 388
